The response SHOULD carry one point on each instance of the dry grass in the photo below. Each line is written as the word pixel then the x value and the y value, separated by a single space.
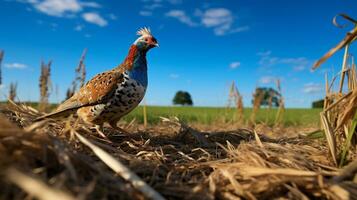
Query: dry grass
pixel 339 115
pixel 80 76
pixel 281 110
pixel 173 161
pixel 45 85
pixel 257 101
pixel 236 99
pixel 2 53
pixel 13 91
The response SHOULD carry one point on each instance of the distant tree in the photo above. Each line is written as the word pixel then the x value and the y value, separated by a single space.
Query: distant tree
pixel 182 98
pixel 269 96
pixel 318 103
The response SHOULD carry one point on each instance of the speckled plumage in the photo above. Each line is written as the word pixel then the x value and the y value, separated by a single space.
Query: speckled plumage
pixel 124 99
pixel 112 94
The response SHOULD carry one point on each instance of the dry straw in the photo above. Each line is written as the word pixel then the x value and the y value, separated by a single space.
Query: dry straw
pixel 12 91
pixel 2 53
pixel 45 85
pixel 258 96
pixel 173 161
pixel 236 99
pixel 80 76
pixel 51 159
pixel 281 110
pixel 338 117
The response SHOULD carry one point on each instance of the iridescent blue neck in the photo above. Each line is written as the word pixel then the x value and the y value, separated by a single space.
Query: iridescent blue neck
pixel 139 69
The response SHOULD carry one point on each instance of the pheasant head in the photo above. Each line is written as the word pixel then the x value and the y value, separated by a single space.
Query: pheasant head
pixel 146 41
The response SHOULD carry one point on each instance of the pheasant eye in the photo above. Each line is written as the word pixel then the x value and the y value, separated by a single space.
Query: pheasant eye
pixel 146 40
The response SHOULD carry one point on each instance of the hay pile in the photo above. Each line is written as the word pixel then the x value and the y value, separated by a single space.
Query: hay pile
pixel 66 160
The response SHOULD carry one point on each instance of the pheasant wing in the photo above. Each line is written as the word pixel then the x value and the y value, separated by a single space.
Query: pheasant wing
pixel 98 90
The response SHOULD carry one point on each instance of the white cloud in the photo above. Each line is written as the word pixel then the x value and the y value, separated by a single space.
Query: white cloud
pixel 181 16
pixel 312 88
pixel 174 76
pixel 90 4
pixel 239 29
pixel 264 53
pixel 152 6
pixel 69 8
pixel 58 8
pixel 27 1
pixel 297 64
pixel 145 13
pixel 15 65
pixel 162 1
pixel 216 17
pixel 234 65
pixel 94 18
pixel 221 20
pixel 267 79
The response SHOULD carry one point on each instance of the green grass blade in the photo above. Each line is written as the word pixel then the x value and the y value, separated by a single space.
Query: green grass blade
pixel 347 144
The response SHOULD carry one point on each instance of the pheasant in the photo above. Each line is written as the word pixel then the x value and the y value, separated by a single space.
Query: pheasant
pixel 112 94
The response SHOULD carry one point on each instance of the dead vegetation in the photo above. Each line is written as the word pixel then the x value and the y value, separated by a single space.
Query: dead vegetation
pixel 1 58
pixel 80 76
pixel 12 91
pixel 45 85
pixel 339 115
pixel 281 110
pixel 174 161
pixel 56 159
pixel 235 99
pixel 257 101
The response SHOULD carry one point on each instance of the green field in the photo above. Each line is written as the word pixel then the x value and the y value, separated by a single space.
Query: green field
pixel 208 115
pixel 212 115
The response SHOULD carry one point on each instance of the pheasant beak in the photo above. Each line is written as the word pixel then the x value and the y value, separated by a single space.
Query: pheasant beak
pixel 153 42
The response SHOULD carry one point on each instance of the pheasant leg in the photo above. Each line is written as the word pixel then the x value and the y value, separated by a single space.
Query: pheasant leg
pixel 115 126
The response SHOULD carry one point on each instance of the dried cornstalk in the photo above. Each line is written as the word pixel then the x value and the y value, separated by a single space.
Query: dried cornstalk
pixel 281 110
pixel 45 85
pixel 1 58
pixel 235 99
pixel 35 187
pixel 145 114
pixel 13 91
pixel 240 108
pixel 231 95
pixel 121 170
pixel 257 101
pixel 331 141
pixel 349 38
pixel 339 107
pixel 80 76
pixel 178 161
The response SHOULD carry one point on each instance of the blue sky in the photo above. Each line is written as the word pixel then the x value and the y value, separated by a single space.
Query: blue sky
pixel 204 45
